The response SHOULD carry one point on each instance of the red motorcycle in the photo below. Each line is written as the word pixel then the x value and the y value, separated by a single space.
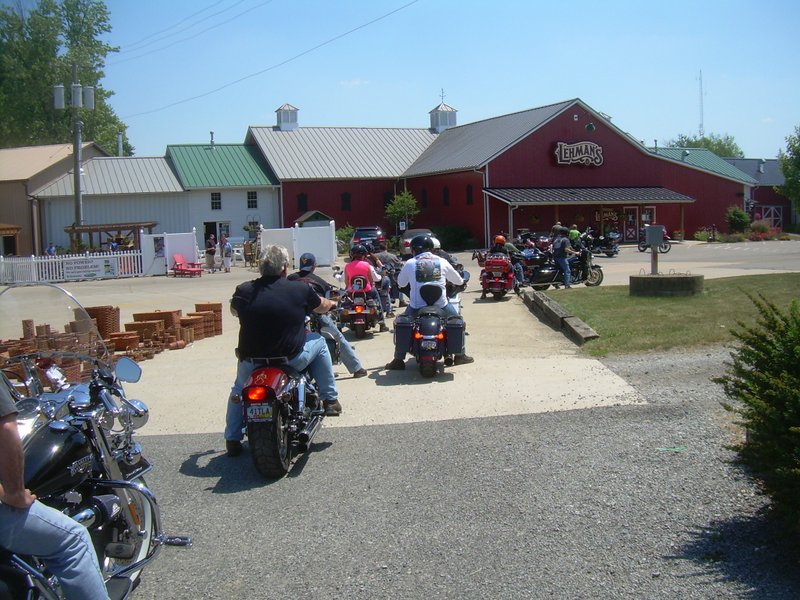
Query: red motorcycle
pixel 497 274
pixel 357 309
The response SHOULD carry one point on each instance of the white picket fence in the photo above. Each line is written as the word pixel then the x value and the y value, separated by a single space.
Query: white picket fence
pixel 70 267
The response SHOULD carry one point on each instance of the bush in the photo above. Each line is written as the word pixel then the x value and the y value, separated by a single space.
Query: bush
pixel 453 237
pixel 737 219
pixel 731 238
pixel 764 381
pixel 760 226
pixel 701 235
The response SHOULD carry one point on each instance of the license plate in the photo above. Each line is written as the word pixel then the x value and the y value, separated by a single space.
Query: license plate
pixel 259 412
pixel 497 274
pixel 428 344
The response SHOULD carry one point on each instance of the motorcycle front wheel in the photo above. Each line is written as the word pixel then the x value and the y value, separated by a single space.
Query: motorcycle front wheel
pixel 665 247
pixel 138 531
pixel 594 277
pixel 269 445
pixel 642 246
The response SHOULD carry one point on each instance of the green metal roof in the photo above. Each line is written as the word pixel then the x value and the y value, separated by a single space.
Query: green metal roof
pixel 219 165
pixel 705 159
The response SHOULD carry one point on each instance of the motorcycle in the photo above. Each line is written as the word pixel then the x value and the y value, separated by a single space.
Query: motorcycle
pixel 663 247
pixel 497 274
pixel 602 244
pixel 431 335
pixel 282 414
pixel 357 309
pixel 315 324
pixel 77 428
pixel 541 271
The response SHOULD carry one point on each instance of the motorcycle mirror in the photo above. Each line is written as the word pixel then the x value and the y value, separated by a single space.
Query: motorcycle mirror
pixel 126 369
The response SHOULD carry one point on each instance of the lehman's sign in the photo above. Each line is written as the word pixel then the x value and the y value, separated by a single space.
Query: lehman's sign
pixel 584 153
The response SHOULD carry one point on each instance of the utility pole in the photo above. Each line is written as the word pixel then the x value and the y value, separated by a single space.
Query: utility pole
pixel 82 97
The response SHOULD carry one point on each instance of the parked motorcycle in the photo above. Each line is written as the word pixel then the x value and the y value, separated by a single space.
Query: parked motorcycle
pixel 541 271
pixel 431 335
pixel 497 274
pixel 77 428
pixel 282 414
pixel 663 247
pixel 357 309
pixel 601 244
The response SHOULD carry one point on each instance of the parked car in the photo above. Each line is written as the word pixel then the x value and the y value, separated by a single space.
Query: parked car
pixel 368 236
pixel 405 240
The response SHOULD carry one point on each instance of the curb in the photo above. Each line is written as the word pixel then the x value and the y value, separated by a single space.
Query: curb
pixel 551 313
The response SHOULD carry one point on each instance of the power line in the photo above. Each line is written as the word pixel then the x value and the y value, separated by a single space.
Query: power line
pixel 199 33
pixel 128 47
pixel 275 66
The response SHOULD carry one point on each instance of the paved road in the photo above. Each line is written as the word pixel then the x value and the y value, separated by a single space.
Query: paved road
pixel 423 488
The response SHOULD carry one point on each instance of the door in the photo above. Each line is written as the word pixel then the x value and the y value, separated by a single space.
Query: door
pixel 630 230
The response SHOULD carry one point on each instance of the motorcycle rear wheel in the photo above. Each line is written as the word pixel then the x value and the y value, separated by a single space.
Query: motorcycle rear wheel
pixel 269 445
pixel 665 247
pixel 611 254
pixel 360 329
pixel 595 277
pixel 427 368
pixel 498 295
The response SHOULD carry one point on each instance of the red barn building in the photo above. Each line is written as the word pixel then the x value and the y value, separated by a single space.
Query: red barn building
pixel 563 162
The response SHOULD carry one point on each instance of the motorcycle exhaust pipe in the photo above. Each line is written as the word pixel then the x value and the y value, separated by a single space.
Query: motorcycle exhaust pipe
pixel 307 434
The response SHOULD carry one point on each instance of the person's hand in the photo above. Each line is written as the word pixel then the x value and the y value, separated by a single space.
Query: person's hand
pixel 22 499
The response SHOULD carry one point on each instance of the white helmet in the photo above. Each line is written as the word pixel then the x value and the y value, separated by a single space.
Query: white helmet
pixel 436 244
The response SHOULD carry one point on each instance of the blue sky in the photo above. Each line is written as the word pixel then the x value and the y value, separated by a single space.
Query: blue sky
pixel 187 67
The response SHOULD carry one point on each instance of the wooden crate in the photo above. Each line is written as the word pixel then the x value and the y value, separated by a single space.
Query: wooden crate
pixel 171 318
pixel 197 323
pixel 216 308
pixel 209 328
pixel 146 329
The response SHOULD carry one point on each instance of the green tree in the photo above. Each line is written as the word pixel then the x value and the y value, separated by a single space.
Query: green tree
pixel 790 165
pixel 721 145
pixel 403 207
pixel 37 51
pixel 737 219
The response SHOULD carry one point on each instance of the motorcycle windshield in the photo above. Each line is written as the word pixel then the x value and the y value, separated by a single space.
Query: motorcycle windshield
pixel 46 323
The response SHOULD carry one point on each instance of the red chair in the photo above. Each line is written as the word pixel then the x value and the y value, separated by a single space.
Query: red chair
pixel 184 268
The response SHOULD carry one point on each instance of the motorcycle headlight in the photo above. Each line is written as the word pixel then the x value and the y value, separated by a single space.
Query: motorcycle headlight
pixel 137 415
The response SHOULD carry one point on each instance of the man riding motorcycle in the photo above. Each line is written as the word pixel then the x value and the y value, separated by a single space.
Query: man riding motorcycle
pixel 359 266
pixel 308 262
pixel 425 268
pixel 272 312
pixel 502 246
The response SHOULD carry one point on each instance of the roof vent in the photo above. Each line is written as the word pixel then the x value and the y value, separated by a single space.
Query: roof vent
pixel 287 118
pixel 443 117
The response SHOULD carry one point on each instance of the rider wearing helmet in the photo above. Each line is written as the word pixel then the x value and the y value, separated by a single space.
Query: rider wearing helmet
pixel 425 268
pixel 359 266
pixel 502 246
pixel 437 250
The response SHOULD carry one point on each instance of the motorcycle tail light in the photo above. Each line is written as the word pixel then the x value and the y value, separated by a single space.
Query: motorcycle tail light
pixel 359 309
pixel 440 336
pixel 417 335
pixel 258 393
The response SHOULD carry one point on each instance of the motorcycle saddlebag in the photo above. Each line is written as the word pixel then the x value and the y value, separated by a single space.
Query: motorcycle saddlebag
pixel 403 326
pixel 455 335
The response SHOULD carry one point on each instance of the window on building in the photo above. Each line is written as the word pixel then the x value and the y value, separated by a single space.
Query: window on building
pixel 252 199
pixel 446 196
pixel 424 199
pixel 302 202
pixel 469 194
pixel 216 201
pixel 387 198
pixel 346 201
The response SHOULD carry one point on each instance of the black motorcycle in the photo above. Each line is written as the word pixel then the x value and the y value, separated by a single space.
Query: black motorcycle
pixel 540 270
pixel 77 428
pixel 601 244
pixel 431 335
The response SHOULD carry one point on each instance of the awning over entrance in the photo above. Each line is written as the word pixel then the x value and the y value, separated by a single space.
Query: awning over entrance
pixel 8 229
pixel 605 196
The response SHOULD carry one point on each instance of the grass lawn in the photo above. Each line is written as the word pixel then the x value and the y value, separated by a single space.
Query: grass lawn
pixel 634 324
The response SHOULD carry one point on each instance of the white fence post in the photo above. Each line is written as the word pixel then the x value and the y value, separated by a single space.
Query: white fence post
pixel 70 267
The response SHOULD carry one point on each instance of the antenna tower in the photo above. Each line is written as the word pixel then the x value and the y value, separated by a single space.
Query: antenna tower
pixel 701 130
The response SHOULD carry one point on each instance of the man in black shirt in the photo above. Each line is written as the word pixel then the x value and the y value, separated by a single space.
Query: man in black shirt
pixel 271 312
pixel 308 262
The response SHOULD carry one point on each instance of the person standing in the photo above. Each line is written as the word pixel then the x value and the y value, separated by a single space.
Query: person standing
pixel 29 527
pixel 272 312
pixel 51 249
pixel 561 250
pixel 360 266
pixel 211 253
pixel 227 253
pixel 308 262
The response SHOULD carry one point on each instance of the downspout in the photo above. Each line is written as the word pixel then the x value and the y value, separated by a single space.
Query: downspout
pixel 487 225
pixel 36 237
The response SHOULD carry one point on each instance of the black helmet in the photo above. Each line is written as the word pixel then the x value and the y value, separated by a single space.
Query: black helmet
pixel 359 250
pixel 421 243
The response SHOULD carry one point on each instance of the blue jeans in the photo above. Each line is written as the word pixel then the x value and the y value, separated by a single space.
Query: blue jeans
pixel 519 273
pixel 449 310
pixel 346 352
pixel 63 545
pixel 563 264
pixel 313 356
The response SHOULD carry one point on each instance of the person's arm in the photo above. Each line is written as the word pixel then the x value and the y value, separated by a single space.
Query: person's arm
pixel 373 272
pixel 325 305
pixel 12 461
pixel 450 274
pixel 376 261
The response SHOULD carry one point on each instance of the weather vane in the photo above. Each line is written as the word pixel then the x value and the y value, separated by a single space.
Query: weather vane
pixel 442 95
